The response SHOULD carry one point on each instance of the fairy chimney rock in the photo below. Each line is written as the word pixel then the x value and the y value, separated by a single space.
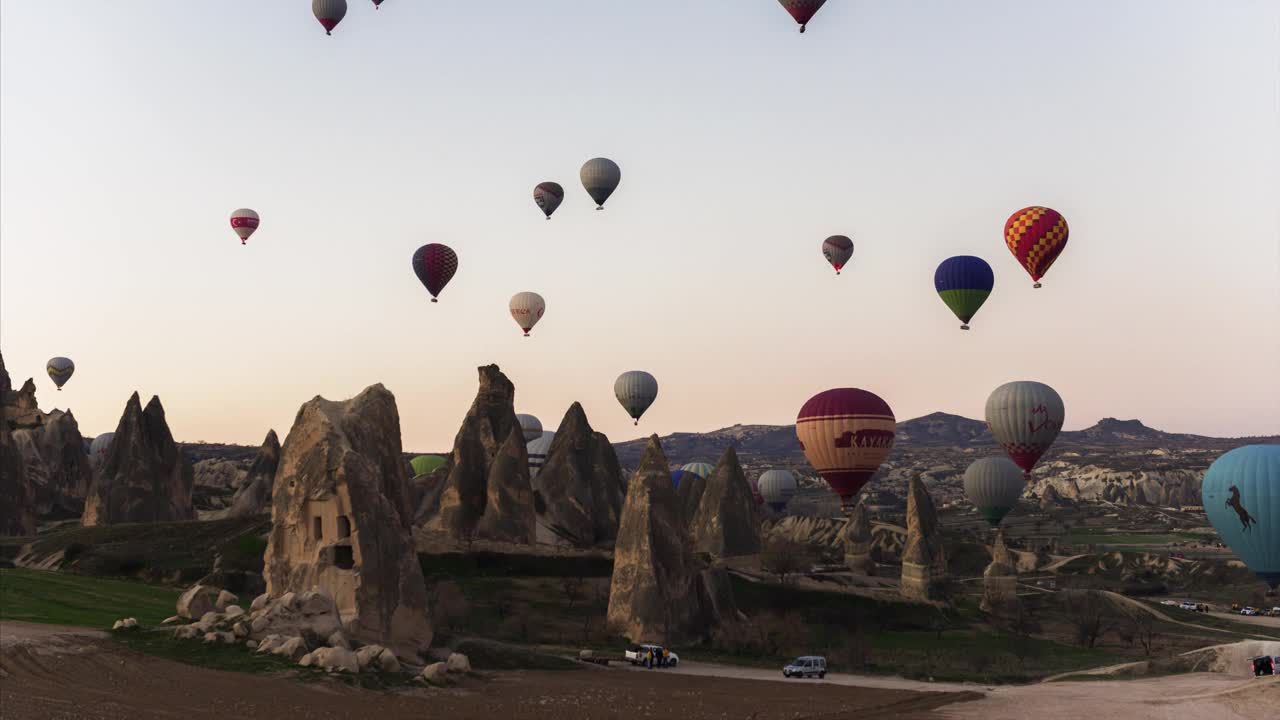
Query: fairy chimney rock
pixel 145 477
pixel 924 562
pixel 579 490
pixel 653 595
pixel 724 522
pixel 254 496
pixel 857 541
pixel 340 522
pixel 1000 579
pixel 509 513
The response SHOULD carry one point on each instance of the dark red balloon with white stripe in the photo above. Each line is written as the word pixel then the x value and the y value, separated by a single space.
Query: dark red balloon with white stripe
pixel 435 264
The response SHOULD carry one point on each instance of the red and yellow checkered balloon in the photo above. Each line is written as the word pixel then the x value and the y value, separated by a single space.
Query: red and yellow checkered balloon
pixel 1036 236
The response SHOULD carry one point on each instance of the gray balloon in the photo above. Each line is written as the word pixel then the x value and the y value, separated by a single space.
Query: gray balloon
pixel 600 176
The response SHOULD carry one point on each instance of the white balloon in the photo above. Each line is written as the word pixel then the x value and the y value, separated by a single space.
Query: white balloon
pixel 530 426
pixel 636 390
pixel 777 487
pixel 527 308
pixel 993 485
pixel 537 449
pixel 1025 418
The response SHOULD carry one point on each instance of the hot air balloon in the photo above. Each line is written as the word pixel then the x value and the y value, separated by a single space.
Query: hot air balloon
pixel 964 282
pixel 755 492
pixel 99 447
pixel 679 476
pixel 329 13
pixel 60 370
pixel 530 426
pixel 600 176
pixel 548 196
pixel 426 464
pixel 837 249
pixel 435 264
pixel 802 10
pixel 538 449
pixel 993 485
pixel 377 4
pixel 701 469
pixel 526 309
pixel 1036 236
pixel 845 433
pixel 777 487
pixel 636 390
pixel 1025 417
pixel 1241 496
pixel 244 222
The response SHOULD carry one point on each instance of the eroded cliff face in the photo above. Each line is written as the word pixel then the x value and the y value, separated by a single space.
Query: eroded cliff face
pixel 579 491
pixel 341 521
pixel 145 477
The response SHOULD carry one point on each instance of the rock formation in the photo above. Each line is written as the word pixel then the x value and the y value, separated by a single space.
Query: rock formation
pixel 18 408
pixel 341 521
pixel 254 495
pixel 56 464
pixel 724 524
pixel 857 541
pixel 145 477
pixel 1050 499
pixel 218 474
pixel 689 496
pixel 509 514
pixel 486 426
pixel 1000 579
pixel 17 499
pixel 924 562
pixel 580 489
pixel 653 595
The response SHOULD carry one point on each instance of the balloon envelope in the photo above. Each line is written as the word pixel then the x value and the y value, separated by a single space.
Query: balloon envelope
pixel 434 264
pixel 526 309
pixel 837 249
pixel 993 485
pixel 964 282
pixel 679 476
pixel 846 433
pixel 60 370
pixel 537 449
pixel 777 487
pixel 244 222
pixel 530 426
pixel 1241 496
pixel 329 13
pixel 425 464
pixel 99 447
pixel 636 390
pixel 1036 236
pixel 701 469
pixel 600 177
pixel 548 196
pixel 802 10
pixel 1025 418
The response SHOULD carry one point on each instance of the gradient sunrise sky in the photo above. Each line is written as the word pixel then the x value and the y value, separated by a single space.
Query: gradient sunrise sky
pixel 130 130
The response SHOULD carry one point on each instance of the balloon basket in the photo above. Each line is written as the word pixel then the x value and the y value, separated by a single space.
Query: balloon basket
pixel 802 29
pixel 434 300
pixel 964 327
pixel 1036 286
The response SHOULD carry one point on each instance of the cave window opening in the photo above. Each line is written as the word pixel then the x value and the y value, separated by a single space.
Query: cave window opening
pixel 318 528
pixel 343 557
pixel 344 527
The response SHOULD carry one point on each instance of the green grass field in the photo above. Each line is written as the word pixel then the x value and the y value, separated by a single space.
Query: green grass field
pixel 62 599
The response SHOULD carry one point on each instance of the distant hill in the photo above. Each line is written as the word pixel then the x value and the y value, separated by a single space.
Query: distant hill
pixel 778 444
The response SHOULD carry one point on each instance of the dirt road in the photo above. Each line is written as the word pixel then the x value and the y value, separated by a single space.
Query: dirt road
pixel 1199 696
pixel 48 672
pixel 863 681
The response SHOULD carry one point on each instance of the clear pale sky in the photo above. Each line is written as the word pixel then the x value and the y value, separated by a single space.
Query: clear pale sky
pixel 130 130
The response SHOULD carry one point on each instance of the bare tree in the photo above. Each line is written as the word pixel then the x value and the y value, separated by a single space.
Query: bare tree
pixel 1091 615
pixel 1142 625
pixel 573 588
pixel 785 557
pixel 1017 620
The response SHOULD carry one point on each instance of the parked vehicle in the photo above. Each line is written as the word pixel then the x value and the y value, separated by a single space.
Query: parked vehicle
pixel 639 654
pixel 807 666
pixel 1249 611
pixel 1264 665
pixel 1275 612
pixel 1187 605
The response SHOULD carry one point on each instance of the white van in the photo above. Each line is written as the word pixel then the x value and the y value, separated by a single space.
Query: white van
pixel 807 666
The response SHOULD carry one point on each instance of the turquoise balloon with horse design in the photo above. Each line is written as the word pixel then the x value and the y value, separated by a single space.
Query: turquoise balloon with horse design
pixel 1241 495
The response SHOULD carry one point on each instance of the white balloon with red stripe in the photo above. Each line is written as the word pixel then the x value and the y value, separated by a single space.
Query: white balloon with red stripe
pixel 244 222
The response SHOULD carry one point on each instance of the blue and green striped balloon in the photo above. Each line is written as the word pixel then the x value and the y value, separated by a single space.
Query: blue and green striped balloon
pixel 1241 496
pixel 964 282
pixel 701 469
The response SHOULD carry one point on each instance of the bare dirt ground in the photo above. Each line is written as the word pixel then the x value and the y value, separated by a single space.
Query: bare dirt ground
pixel 52 672
pixel 1198 696
pixel 882 682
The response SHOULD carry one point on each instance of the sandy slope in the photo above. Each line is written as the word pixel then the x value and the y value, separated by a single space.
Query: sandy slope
pixel 65 673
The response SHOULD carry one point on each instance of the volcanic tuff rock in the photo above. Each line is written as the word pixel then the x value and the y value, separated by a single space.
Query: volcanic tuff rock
pixel 484 429
pixel 509 515
pixel 254 495
pixel 218 474
pixel 652 596
pixel 57 466
pixel 725 522
pixel 579 491
pixel 340 520
pixel 689 496
pixel 18 409
pixel 145 477
pixel 1000 579
pixel 857 541
pixel 17 498
pixel 924 562
pixel 824 537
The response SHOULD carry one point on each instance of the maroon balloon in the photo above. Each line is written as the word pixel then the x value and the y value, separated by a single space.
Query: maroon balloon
pixel 802 10
pixel 846 433
pixel 435 264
